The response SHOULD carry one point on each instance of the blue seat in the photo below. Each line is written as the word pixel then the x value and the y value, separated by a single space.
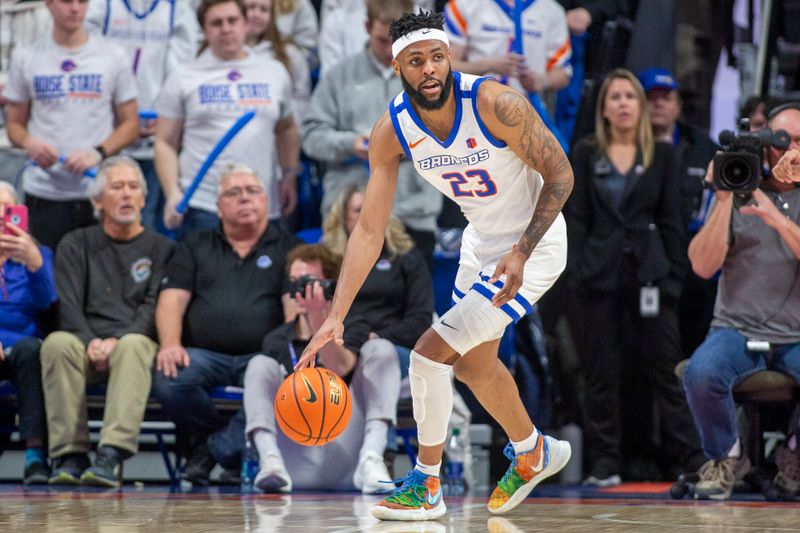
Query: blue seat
pixel 154 423
pixel 310 235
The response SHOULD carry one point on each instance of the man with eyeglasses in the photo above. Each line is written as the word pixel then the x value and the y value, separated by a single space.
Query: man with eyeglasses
pixel 225 289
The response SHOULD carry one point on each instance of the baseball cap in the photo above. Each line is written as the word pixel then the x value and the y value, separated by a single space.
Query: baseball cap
pixel 657 78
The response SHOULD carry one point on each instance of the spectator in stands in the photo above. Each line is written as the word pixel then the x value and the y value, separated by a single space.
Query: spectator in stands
pixel 755 109
pixel 626 237
pixel 70 94
pixel 587 17
pixel 343 30
pixel 481 35
pixel 369 366
pixel 157 40
pixel 263 38
pixel 26 278
pixel 397 296
pixel 298 23
pixel 757 315
pixel 107 277
pixel 693 152
pixel 203 99
pixel 225 290
pixel 345 105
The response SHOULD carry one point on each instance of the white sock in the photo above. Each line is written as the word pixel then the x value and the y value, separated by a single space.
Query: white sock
pixel 429 470
pixel 736 451
pixel 526 445
pixel 375 438
pixel 265 442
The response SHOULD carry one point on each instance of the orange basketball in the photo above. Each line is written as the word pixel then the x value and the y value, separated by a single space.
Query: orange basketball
pixel 313 406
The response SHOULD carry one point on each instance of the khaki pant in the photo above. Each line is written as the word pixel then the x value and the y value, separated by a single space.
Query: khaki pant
pixel 66 371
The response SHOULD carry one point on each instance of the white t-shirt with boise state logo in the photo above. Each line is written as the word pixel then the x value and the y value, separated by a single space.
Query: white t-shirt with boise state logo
pixel 209 95
pixel 72 92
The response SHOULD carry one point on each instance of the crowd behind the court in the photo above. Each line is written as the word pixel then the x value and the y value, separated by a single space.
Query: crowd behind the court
pixel 120 280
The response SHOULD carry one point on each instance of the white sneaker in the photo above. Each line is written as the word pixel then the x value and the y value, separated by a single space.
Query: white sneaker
pixel 272 476
pixel 369 474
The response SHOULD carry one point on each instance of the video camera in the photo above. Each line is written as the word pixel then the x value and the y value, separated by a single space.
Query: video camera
pixel 739 167
pixel 299 285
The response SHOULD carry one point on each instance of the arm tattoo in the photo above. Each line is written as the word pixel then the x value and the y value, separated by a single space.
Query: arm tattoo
pixel 542 152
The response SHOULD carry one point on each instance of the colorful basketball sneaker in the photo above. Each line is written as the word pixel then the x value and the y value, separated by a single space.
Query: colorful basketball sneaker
pixel 527 470
pixel 418 498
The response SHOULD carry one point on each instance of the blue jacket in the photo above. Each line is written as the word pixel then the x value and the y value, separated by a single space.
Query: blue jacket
pixel 22 296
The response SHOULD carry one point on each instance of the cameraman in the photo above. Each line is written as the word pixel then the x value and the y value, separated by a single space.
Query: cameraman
pixel 757 314
pixel 370 367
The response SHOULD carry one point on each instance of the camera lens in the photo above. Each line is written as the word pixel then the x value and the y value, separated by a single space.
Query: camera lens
pixel 735 172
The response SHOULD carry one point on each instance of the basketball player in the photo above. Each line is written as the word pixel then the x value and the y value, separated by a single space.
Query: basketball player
pixel 481 144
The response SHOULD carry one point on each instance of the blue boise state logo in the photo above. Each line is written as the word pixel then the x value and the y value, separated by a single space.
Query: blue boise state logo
pixel 68 65
pixel 234 75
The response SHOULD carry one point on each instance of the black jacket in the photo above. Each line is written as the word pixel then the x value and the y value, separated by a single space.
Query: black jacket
pixel 647 225
pixel 396 299
pixel 693 154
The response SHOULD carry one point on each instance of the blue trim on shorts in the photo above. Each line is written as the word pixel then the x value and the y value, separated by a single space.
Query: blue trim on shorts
pixel 507 309
pixel 517 298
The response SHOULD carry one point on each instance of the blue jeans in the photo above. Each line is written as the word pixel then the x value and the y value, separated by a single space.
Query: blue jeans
pixel 404 355
pixel 194 220
pixel 721 362
pixel 152 214
pixel 185 399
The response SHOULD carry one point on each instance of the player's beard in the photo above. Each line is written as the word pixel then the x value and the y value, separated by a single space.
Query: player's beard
pixel 418 98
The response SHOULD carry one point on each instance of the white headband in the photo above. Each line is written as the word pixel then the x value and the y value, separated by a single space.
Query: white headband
pixel 416 36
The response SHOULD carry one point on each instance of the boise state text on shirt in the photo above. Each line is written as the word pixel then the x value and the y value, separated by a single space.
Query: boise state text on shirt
pixel 226 93
pixel 49 87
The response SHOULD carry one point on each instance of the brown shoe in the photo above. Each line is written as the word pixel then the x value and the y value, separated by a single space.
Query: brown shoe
pixel 787 480
pixel 717 478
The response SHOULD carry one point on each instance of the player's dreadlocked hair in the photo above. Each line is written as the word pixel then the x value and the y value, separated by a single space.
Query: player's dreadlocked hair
pixel 415 21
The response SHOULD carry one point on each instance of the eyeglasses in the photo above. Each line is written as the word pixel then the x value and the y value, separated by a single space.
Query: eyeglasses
pixel 238 192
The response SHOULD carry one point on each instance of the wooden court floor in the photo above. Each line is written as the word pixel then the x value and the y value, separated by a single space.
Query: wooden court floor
pixel 161 512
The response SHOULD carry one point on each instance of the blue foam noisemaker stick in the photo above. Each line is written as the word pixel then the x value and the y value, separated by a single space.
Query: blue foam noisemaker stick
pixel 536 102
pixel 240 123
pixel 89 172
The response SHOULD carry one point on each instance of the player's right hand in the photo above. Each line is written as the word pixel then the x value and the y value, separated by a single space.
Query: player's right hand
pixel 172 219
pixel 169 358
pixel 43 154
pixel 331 330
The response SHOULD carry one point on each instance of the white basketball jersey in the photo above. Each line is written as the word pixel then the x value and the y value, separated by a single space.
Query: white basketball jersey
pixel 495 189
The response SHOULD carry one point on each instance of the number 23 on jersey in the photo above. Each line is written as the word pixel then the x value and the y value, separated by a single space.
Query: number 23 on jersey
pixel 473 182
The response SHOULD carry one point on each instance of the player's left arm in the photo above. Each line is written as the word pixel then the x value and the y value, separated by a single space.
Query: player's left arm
pixel 509 117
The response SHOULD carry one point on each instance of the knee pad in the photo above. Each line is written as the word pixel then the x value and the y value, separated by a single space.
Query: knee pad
pixel 471 322
pixel 432 396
